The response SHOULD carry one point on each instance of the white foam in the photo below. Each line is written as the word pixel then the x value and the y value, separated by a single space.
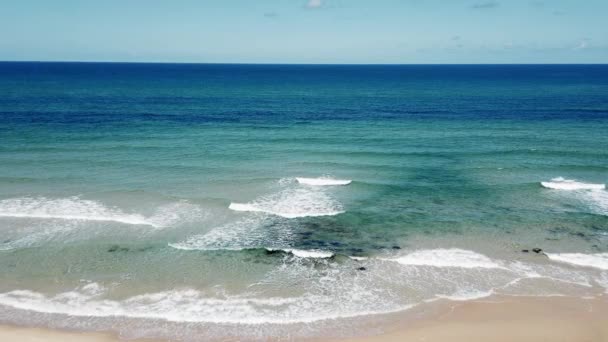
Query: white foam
pixel 77 209
pixel 598 201
pixel 72 208
pixel 307 253
pixel 175 213
pixel 322 181
pixel 37 233
pixel 249 232
pixel 597 260
pixel 293 203
pixel 464 295
pixel 317 291
pixel 452 257
pixel 560 183
pixel 193 306
pixel 602 280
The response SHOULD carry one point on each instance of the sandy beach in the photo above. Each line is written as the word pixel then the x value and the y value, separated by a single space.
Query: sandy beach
pixel 509 319
pixel 496 319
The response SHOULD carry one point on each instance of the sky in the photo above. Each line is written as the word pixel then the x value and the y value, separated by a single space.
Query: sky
pixel 306 31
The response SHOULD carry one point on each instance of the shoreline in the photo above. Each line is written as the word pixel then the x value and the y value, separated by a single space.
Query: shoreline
pixel 495 318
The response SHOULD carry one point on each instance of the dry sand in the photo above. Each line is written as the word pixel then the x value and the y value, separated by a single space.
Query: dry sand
pixel 508 319
pixel 519 319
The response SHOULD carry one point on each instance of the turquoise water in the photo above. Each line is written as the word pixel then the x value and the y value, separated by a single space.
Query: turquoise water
pixel 164 200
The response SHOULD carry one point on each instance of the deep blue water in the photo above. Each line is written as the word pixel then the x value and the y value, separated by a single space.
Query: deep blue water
pixel 105 93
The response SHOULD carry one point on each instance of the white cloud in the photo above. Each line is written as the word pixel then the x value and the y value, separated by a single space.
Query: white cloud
pixel 314 3
pixel 583 44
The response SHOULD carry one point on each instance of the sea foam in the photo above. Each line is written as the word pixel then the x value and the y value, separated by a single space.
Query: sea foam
pixel 592 195
pixel 561 183
pixel 196 306
pixel 597 260
pixel 72 208
pixel 256 231
pixel 464 295
pixel 452 257
pixel 293 203
pixel 324 290
pixel 78 209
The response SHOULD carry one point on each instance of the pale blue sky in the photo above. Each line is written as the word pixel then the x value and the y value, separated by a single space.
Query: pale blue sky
pixel 306 31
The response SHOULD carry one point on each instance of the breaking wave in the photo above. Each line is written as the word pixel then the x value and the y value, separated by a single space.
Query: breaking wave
pixel 72 208
pixel 561 183
pixel 293 203
pixel 322 181
pixel 75 208
pixel 452 257
pixel 597 260
pixel 56 219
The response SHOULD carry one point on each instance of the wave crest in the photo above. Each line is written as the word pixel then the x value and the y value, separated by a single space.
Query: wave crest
pixel 561 183
pixel 72 208
pixel 597 260
pixel 78 209
pixel 322 181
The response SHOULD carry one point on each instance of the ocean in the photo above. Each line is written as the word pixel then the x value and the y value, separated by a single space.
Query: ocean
pixel 294 201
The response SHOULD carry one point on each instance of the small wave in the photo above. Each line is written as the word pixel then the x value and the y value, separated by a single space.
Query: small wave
pixel 300 253
pixel 72 208
pixel 452 257
pixel 286 214
pixel 597 260
pixel 303 253
pixel 464 295
pixel 193 306
pixel 322 181
pixel 77 209
pixel 293 203
pixel 561 183
pixel 592 195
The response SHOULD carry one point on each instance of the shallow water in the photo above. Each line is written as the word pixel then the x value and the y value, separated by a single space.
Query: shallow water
pixel 257 201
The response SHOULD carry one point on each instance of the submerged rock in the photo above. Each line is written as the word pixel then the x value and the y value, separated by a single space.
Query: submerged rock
pixel 117 248
pixel 362 268
pixel 273 251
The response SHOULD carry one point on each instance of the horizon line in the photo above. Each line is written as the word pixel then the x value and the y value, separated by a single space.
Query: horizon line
pixel 283 63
